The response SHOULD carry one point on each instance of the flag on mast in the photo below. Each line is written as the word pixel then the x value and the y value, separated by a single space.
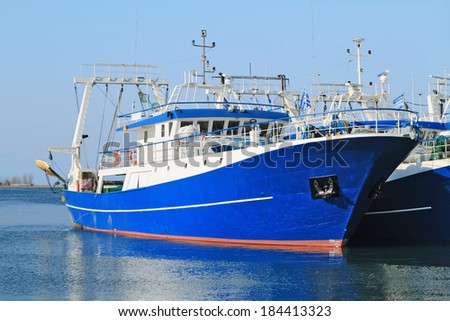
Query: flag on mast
pixel 399 102
pixel 305 103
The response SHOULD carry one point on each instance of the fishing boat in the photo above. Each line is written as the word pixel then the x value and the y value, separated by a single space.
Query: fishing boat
pixel 238 161
pixel 414 203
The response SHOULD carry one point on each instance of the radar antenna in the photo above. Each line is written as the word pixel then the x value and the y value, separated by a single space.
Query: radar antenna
pixel 204 61
pixel 358 54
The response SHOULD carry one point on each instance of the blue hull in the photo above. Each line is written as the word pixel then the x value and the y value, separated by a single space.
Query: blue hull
pixel 417 206
pixel 259 201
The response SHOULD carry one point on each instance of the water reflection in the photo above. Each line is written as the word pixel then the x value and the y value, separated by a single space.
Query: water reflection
pixel 43 258
pixel 58 263
pixel 139 269
pixel 418 271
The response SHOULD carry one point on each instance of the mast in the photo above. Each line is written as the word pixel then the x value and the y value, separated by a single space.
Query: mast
pixel 204 61
pixel 358 54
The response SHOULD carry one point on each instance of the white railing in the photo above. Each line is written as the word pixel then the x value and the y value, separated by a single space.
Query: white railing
pixel 255 85
pixel 303 127
pixel 118 71
pixel 434 117
pixel 431 150
pixel 133 117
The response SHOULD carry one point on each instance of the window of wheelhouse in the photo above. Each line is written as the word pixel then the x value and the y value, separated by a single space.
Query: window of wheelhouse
pixel 231 124
pixel 203 126
pixel 146 136
pixel 186 123
pixel 217 125
pixel 163 130
pixel 170 128
pixel 263 127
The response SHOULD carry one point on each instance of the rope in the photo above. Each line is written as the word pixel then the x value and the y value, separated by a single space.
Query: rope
pixel 415 104
pixel 54 164
pixel 114 120
pixel 78 110
pixel 49 184
pixel 101 125
pixel 141 96
pixel 76 97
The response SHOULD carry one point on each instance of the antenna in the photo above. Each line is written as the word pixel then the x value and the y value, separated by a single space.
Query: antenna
pixel 204 61
pixel 358 54
pixel 136 37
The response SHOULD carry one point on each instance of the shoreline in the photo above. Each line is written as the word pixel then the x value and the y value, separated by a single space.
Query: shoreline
pixel 23 186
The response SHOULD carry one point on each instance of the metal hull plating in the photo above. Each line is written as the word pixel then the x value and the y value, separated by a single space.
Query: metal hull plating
pixel 413 208
pixel 263 200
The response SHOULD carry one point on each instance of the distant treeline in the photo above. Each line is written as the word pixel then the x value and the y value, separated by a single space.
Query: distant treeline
pixel 25 179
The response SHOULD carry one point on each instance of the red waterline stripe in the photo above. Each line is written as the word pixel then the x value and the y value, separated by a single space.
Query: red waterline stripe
pixel 316 246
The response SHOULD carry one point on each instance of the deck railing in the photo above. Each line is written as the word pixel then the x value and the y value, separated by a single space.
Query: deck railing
pixel 432 149
pixel 265 133
pixel 434 117
pixel 132 117
pixel 118 71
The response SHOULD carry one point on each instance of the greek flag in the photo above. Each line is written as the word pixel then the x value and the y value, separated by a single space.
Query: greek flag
pixel 399 102
pixel 226 104
pixel 305 103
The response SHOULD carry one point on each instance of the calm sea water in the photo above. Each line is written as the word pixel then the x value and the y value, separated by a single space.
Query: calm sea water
pixel 43 258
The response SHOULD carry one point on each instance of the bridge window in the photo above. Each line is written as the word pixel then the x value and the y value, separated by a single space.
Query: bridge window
pixel 233 123
pixel 203 125
pixel 217 125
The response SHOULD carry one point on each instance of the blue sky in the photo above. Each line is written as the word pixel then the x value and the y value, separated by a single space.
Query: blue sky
pixel 43 44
